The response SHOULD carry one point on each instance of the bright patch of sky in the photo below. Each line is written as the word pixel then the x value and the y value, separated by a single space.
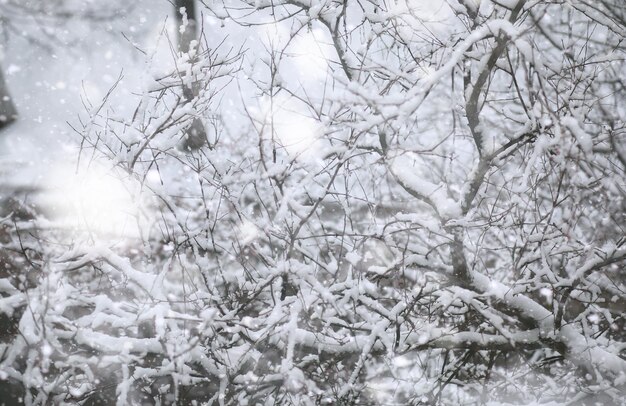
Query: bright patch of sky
pixel 427 17
pixel 311 54
pixel 292 125
pixel 95 199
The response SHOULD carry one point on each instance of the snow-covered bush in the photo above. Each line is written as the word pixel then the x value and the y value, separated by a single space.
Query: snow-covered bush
pixel 396 203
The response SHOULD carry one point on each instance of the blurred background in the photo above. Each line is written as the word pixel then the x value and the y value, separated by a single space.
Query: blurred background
pixel 59 60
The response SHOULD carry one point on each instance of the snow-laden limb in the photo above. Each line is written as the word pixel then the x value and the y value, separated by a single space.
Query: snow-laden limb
pixel 583 139
pixel 430 338
pixel 434 195
pixel 9 304
pixel 578 348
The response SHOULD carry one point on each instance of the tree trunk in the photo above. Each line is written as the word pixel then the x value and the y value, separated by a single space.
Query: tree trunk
pixel 187 32
pixel 8 112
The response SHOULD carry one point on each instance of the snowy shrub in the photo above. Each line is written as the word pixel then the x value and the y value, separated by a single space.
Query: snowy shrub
pixel 404 202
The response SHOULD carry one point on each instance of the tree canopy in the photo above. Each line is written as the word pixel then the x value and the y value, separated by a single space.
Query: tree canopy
pixel 396 203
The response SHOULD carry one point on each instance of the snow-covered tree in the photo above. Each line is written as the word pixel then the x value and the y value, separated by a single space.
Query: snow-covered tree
pixel 396 203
